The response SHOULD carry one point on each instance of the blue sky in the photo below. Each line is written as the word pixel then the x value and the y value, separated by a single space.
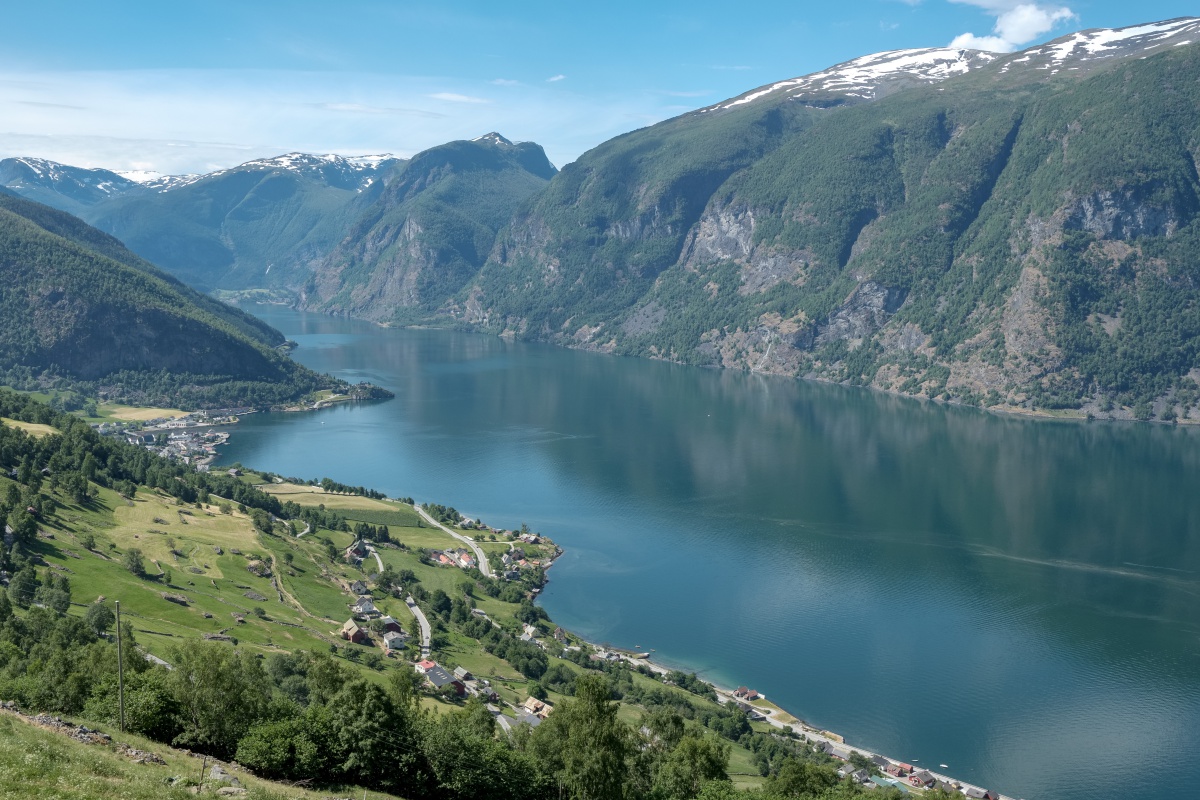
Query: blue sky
pixel 186 86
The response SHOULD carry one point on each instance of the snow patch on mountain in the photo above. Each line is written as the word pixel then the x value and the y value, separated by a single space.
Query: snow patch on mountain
pixel 49 173
pixel 1104 43
pixel 864 77
pixel 493 138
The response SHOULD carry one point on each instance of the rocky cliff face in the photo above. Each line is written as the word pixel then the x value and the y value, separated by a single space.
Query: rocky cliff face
pixel 429 232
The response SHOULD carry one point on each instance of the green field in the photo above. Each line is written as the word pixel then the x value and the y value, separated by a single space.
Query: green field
pixel 36 762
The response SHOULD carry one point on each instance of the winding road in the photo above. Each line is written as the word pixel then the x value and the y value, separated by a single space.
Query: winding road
pixel 480 556
pixel 426 634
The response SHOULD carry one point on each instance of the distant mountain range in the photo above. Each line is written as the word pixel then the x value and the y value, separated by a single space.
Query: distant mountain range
pixel 1004 230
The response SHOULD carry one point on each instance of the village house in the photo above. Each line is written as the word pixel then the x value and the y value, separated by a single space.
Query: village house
pixel 394 640
pixel 390 624
pixel 898 769
pixel 365 606
pixel 856 774
pixel 440 679
pixel 923 779
pixel 463 674
pixel 978 793
pixel 359 588
pixel 352 633
pixel 746 694
pixel 537 707
pixel 423 667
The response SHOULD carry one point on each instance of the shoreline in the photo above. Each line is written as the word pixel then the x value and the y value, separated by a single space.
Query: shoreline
pixel 772 713
pixel 1062 415
pixel 807 732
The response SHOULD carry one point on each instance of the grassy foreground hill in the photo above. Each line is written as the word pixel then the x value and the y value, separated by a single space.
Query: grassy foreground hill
pixel 233 594
pixel 75 303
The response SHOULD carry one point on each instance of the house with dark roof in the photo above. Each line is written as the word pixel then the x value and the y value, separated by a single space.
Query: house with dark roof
pixel 856 774
pixel 394 641
pixel 979 793
pixel 390 624
pixel 358 587
pixel 923 778
pixel 441 679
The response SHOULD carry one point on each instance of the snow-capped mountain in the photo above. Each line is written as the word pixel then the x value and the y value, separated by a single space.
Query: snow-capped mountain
pixel 42 180
pixel 1080 51
pixel 493 138
pixel 872 76
pixel 344 172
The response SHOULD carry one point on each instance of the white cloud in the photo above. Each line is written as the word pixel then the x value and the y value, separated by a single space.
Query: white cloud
pixel 556 79
pixel 993 44
pixel 1017 23
pixel 453 97
pixel 505 82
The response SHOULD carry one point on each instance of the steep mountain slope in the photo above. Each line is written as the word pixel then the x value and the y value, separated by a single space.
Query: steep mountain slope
pixel 1014 229
pixel 259 225
pixel 74 302
pixel 429 231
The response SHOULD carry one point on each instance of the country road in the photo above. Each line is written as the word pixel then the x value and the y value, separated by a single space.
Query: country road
pixel 371 549
pixel 426 635
pixel 480 556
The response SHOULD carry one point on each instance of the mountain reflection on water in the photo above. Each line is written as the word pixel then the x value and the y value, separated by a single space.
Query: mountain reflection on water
pixel 1015 598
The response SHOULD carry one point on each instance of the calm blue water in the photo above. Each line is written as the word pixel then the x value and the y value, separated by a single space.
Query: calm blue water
pixel 1017 599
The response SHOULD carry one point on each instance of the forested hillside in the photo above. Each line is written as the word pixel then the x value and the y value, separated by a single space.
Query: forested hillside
pixel 75 304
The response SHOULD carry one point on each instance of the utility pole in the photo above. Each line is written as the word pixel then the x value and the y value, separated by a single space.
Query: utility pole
pixel 120 671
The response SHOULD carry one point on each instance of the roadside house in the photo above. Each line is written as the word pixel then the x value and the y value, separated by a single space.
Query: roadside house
pixel 358 587
pixel 390 624
pixel 393 640
pixel 923 778
pixel 423 667
pixel 978 793
pixel 462 674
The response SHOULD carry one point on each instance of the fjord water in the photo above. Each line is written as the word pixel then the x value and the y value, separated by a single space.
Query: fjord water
pixel 1018 599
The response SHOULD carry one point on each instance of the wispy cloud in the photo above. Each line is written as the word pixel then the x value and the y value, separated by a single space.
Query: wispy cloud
pixel 360 108
pixel 453 97
pixel 504 82
pixel 186 121
pixel 1017 23
pixel 556 78
pixel 39 104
